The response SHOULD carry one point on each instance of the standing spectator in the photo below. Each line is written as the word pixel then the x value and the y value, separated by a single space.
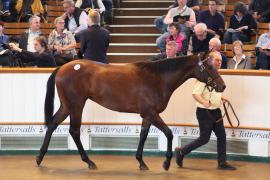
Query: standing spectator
pixel 41 58
pixel 240 60
pixel 260 10
pixel 199 41
pixel 26 40
pixel 75 18
pixel 213 19
pixel 215 45
pixel 62 42
pixel 263 51
pixel 95 39
pixel 171 52
pixel 4 58
pixel 241 25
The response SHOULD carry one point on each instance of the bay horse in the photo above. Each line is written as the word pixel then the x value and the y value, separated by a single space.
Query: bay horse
pixel 142 87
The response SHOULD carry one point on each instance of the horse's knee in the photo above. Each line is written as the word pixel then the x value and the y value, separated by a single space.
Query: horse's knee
pixel 74 132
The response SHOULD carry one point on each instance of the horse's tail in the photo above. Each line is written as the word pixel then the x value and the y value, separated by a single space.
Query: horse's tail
pixel 49 99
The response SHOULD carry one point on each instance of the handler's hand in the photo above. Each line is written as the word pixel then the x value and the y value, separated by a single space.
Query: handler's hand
pixel 206 104
pixel 224 98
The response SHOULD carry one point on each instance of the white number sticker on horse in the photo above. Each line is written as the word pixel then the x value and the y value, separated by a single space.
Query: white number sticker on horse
pixel 77 67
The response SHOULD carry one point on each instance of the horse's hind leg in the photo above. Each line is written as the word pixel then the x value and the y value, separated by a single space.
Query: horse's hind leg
pixel 75 125
pixel 143 135
pixel 159 123
pixel 59 117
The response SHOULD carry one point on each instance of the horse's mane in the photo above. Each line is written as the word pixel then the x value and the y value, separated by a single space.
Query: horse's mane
pixel 164 65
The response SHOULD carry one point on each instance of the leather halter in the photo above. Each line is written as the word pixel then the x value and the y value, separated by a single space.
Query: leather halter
pixel 210 78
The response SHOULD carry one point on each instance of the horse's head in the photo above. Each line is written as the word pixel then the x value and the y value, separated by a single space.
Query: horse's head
pixel 206 72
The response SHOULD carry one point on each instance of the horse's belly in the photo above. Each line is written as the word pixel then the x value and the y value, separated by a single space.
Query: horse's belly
pixel 117 104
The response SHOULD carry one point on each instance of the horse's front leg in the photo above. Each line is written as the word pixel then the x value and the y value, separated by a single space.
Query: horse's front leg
pixel 159 123
pixel 143 135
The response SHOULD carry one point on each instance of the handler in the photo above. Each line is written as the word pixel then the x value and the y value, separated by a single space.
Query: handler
pixel 208 114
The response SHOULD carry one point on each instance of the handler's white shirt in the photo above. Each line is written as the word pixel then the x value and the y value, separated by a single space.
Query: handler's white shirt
pixel 214 97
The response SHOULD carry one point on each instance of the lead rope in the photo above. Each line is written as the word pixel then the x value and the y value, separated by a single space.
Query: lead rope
pixel 229 105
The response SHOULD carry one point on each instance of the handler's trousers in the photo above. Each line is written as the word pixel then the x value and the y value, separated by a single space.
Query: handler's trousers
pixel 207 123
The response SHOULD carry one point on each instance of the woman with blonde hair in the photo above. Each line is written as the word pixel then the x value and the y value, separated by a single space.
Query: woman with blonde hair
pixel 240 60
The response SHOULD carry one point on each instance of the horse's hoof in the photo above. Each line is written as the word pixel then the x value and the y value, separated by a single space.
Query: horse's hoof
pixel 166 165
pixel 92 166
pixel 38 160
pixel 144 168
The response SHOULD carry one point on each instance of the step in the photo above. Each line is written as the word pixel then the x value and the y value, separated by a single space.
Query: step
pixel 55 2
pixel 140 11
pixel 133 48
pixel 142 28
pixel 146 4
pixel 133 38
pixel 134 19
pixel 129 57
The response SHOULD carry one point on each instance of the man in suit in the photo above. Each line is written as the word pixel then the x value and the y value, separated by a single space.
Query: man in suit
pixel 95 40
pixel 26 39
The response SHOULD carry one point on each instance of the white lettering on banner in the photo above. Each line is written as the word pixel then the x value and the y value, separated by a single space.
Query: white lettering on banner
pixel 130 130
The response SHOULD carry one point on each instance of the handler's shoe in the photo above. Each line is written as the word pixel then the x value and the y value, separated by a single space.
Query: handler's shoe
pixel 226 166
pixel 179 156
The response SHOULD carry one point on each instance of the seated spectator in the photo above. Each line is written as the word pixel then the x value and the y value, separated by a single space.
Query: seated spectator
pixel 241 25
pixel 174 35
pixel 260 10
pixel 91 4
pixel 213 19
pixel 193 4
pixel 240 60
pixel 215 45
pixel 41 58
pixel 75 18
pixel 182 14
pixel 95 40
pixel 8 12
pixel 263 51
pixel 4 57
pixel 28 8
pixel 26 39
pixel 62 43
pixel 171 52
pixel 199 41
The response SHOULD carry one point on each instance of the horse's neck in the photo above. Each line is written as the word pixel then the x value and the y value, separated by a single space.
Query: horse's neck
pixel 181 74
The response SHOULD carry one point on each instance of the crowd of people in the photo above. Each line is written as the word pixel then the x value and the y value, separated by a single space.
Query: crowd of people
pixel 192 29
pixel 197 28
pixel 76 25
